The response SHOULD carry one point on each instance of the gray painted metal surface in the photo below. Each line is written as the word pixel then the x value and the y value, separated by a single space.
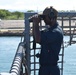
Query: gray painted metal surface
pixel 27 39
pixel 17 63
pixel 66 14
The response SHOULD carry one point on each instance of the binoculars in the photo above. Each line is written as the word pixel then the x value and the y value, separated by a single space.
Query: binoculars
pixel 39 16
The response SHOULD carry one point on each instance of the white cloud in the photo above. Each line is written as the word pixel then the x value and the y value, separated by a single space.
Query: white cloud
pixel 37 4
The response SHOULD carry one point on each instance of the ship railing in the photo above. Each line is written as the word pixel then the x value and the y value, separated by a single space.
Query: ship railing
pixel 18 66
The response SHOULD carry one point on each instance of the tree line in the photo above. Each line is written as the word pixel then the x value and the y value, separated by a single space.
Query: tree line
pixel 5 14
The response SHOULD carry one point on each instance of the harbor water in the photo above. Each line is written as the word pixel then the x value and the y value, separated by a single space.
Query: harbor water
pixel 8 47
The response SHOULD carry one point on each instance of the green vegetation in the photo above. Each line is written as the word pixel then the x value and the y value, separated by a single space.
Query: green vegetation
pixel 5 14
pixel 30 11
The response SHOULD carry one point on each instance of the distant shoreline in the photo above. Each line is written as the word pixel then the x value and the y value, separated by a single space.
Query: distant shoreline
pixel 11 27
pixel 11 34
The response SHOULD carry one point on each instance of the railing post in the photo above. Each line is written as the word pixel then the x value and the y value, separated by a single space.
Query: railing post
pixel 27 40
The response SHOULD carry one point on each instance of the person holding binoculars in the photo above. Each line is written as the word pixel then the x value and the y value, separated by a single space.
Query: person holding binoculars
pixel 50 41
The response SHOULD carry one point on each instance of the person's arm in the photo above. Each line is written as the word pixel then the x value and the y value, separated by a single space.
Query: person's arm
pixel 36 31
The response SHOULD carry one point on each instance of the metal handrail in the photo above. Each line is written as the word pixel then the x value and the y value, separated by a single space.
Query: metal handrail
pixel 17 62
pixel 16 65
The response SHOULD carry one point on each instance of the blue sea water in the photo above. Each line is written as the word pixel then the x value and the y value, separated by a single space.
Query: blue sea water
pixel 8 47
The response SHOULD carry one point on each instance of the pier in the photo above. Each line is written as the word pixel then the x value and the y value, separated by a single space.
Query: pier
pixel 25 62
pixel 11 27
pixel 11 32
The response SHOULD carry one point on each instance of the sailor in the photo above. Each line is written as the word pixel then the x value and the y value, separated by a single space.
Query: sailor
pixel 50 41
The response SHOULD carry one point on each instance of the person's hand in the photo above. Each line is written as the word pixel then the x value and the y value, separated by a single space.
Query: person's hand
pixel 36 19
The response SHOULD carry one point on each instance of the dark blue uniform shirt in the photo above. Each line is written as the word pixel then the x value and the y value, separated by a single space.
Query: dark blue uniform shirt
pixel 51 41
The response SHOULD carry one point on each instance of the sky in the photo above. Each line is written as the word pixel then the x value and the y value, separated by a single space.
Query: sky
pixel 37 5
